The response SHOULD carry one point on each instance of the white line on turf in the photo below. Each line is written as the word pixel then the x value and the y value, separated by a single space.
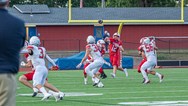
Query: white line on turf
pixel 67 94
pixel 157 103
pixel 148 97
pixel 136 92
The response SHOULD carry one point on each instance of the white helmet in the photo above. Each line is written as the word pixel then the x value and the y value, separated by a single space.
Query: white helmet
pixel 90 39
pixel 116 34
pixel 34 41
pixel 146 40
pixel 100 42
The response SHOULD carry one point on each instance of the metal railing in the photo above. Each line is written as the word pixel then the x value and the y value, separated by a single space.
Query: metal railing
pixel 167 46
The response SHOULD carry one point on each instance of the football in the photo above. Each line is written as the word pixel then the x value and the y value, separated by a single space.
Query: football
pixel 100 21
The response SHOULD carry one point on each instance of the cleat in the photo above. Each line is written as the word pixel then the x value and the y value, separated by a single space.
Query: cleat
pixel 113 75
pixel 103 76
pixel 146 82
pixel 100 85
pixel 47 96
pixel 161 78
pixel 61 95
pixel 96 83
pixel 126 73
pixel 56 96
pixel 34 94
pixel 143 80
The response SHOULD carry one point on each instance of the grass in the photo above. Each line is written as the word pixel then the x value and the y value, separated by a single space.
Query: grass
pixel 121 89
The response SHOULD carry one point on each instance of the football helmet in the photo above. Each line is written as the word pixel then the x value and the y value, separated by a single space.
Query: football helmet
pixel 116 34
pixel 90 39
pixel 100 42
pixel 146 40
pixel 34 41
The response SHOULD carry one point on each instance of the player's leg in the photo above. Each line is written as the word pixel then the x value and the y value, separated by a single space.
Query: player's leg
pixel 101 72
pixel 39 79
pixel 141 63
pixel 85 74
pixel 113 74
pixel 144 74
pixel 24 80
pixel 123 70
pixel 160 76
pixel 98 65
pixel 94 65
pixel 149 64
pixel 53 90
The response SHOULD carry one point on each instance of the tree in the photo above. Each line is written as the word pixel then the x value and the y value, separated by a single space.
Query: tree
pixel 97 3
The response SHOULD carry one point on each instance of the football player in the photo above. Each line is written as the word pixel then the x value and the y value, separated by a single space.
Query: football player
pixel 97 60
pixel 115 47
pixel 147 50
pixel 25 78
pixel 37 55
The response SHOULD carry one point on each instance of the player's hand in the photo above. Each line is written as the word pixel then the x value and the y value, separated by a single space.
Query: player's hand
pixel 23 64
pixel 86 62
pixel 79 65
pixel 107 63
pixel 54 68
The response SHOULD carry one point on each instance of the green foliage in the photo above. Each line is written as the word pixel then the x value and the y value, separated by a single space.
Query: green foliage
pixel 97 3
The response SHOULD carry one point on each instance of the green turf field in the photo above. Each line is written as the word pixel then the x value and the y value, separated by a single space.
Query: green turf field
pixel 172 91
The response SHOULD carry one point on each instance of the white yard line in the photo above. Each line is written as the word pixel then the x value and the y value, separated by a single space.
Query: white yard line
pixel 157 103
pixel 146 97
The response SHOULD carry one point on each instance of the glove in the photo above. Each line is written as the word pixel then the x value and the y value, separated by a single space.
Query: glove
pixel 22 64
pixel 54 68
pixel 79 65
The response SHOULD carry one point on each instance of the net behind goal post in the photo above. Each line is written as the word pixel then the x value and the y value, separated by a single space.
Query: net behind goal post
pixel 172 44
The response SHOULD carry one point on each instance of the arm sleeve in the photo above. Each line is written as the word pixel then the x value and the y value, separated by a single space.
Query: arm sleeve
pixel 50 60
pixel 24 51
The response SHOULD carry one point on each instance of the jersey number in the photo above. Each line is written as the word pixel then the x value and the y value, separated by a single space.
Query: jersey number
pixel 41 55
pixel 96 49
pixel 114 48
pixel 149 48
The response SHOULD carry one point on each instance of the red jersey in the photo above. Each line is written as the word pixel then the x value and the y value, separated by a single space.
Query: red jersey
pixel 114 45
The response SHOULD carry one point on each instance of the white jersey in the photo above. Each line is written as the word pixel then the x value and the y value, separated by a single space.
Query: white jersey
pixel 38 56
pixel 148 49
pixel 95 53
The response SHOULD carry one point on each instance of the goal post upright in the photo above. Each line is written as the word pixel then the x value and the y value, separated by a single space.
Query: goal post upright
pixel 182 9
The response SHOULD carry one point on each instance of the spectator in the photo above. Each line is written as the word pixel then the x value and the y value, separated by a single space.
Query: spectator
pixel 12 37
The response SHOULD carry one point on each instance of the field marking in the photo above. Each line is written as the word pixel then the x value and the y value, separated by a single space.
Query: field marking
pixel 148 97
pixel 157 103
pixel 128 87
pixel 66 94
pixel 149 91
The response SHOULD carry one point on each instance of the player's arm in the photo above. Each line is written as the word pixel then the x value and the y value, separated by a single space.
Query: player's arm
pixel 121 48
pixel 24 50
pixel 86 55
pixel 50 60
pixel 28 64
pixel 30 50
pixel 54 66
pixel 88 50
